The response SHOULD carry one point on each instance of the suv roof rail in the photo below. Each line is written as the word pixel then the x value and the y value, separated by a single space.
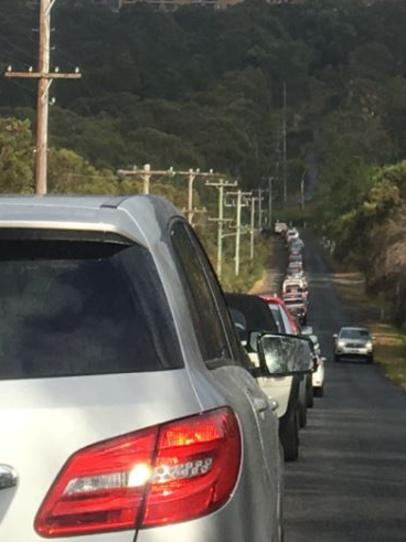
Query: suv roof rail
pixel 114 202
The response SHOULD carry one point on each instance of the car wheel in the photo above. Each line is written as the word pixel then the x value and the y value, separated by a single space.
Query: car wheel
pixel 337 358
pixel 318 392
pixel 310 396
pixel 302 416
pixel 290 437
pixel 370 359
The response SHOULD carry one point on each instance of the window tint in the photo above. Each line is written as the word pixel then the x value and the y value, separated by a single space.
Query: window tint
pixel 71 308
pixel 205 315
pixel 355 334
pixel 276 313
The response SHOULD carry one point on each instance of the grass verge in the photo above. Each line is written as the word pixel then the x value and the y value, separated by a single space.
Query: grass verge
pixel 251 271
pixel 390 343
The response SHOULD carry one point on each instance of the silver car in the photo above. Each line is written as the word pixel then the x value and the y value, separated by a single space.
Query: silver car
pixel 353 342
pixel 127 410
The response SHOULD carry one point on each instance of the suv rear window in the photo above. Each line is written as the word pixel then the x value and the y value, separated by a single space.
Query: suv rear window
pixel 72 307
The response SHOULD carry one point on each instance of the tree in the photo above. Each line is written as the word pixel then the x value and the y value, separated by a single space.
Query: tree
pixel 16 156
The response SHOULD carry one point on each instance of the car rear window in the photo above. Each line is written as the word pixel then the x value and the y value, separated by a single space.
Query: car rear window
pixel 293 301
pixel 72 307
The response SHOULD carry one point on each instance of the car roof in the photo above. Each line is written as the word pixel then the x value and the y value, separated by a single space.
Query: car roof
pixel 271 299
pixel 134 217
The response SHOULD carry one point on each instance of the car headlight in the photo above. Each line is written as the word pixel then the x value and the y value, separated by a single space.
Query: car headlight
pixel 369 345
pixel 341 344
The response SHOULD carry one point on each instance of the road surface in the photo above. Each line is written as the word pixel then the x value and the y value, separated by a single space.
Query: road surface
pixel 349 484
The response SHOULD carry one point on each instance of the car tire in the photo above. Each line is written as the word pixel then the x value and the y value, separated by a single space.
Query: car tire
pixel 318 392
pixel 370 359
pixel 310 397
pixel 302 416
pixel 337 358
pixel 290 437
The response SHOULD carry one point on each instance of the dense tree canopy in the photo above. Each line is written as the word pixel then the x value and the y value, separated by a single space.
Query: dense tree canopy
pixel 203 88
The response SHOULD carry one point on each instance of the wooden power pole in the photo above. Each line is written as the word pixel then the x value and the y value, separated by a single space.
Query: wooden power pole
pixel 285 145
pixel 45 78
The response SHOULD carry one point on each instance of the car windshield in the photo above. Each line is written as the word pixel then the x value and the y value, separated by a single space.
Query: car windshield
pixel 72 308
pixel 354 334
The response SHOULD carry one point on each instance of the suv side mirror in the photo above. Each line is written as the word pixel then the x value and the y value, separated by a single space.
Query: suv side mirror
pixel 335 336
pixel 284 355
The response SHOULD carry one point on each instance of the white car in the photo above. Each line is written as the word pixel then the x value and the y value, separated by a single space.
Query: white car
pixel 319 373
pixel 353 342
pixel 280 227
pixel 295 286
pixel 318 376
pixel 292 235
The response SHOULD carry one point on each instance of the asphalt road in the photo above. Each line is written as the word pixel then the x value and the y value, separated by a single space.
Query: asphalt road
pixel 349 484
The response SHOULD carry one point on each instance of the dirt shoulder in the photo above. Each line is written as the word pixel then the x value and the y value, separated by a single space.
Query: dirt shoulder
pixel 273 275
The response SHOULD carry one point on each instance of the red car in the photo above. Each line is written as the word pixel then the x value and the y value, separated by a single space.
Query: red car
pixel 285 320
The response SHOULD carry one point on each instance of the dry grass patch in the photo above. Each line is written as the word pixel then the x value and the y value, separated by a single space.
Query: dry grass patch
pixel 390 351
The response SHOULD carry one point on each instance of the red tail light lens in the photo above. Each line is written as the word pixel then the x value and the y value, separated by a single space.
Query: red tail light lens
pixel 165 474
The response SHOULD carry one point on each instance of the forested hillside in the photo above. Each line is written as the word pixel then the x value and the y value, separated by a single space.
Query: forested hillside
pixel 203 88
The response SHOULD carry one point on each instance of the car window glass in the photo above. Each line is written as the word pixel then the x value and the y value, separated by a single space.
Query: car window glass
pixel 276 313
pixel 205 316
pixel 71 308
pixel 354 334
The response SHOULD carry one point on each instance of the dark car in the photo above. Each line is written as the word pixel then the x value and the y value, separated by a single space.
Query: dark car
pixel 250 313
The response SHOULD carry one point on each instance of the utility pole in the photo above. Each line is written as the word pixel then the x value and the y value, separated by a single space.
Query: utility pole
pixel 302 191
pixel 146 174
pixel 252 229
pixel 191 175
pixel 238 234
pixel 260 209
pixel 239 204
pixel 191 179
pixel 146 177
pixel 45 79
pixel 285 146
pixel 260 198
pixel 220 185
pixel 270 201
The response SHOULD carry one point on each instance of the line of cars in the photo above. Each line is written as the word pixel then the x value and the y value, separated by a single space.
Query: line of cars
pixel 295 294
pixel 128 407
pixel 295 290
pixel 293 390
pixel 136 399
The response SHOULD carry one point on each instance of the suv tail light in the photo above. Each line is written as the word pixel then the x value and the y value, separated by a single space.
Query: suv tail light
pixel 165 474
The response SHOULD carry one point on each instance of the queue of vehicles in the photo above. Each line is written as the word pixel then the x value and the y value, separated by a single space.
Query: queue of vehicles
pixel 128 407
pixel 153 406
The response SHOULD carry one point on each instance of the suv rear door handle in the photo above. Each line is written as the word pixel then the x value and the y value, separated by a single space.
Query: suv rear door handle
pixel 8 477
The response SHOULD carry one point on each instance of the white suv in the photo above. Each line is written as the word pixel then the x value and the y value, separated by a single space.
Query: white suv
pixel 353 342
